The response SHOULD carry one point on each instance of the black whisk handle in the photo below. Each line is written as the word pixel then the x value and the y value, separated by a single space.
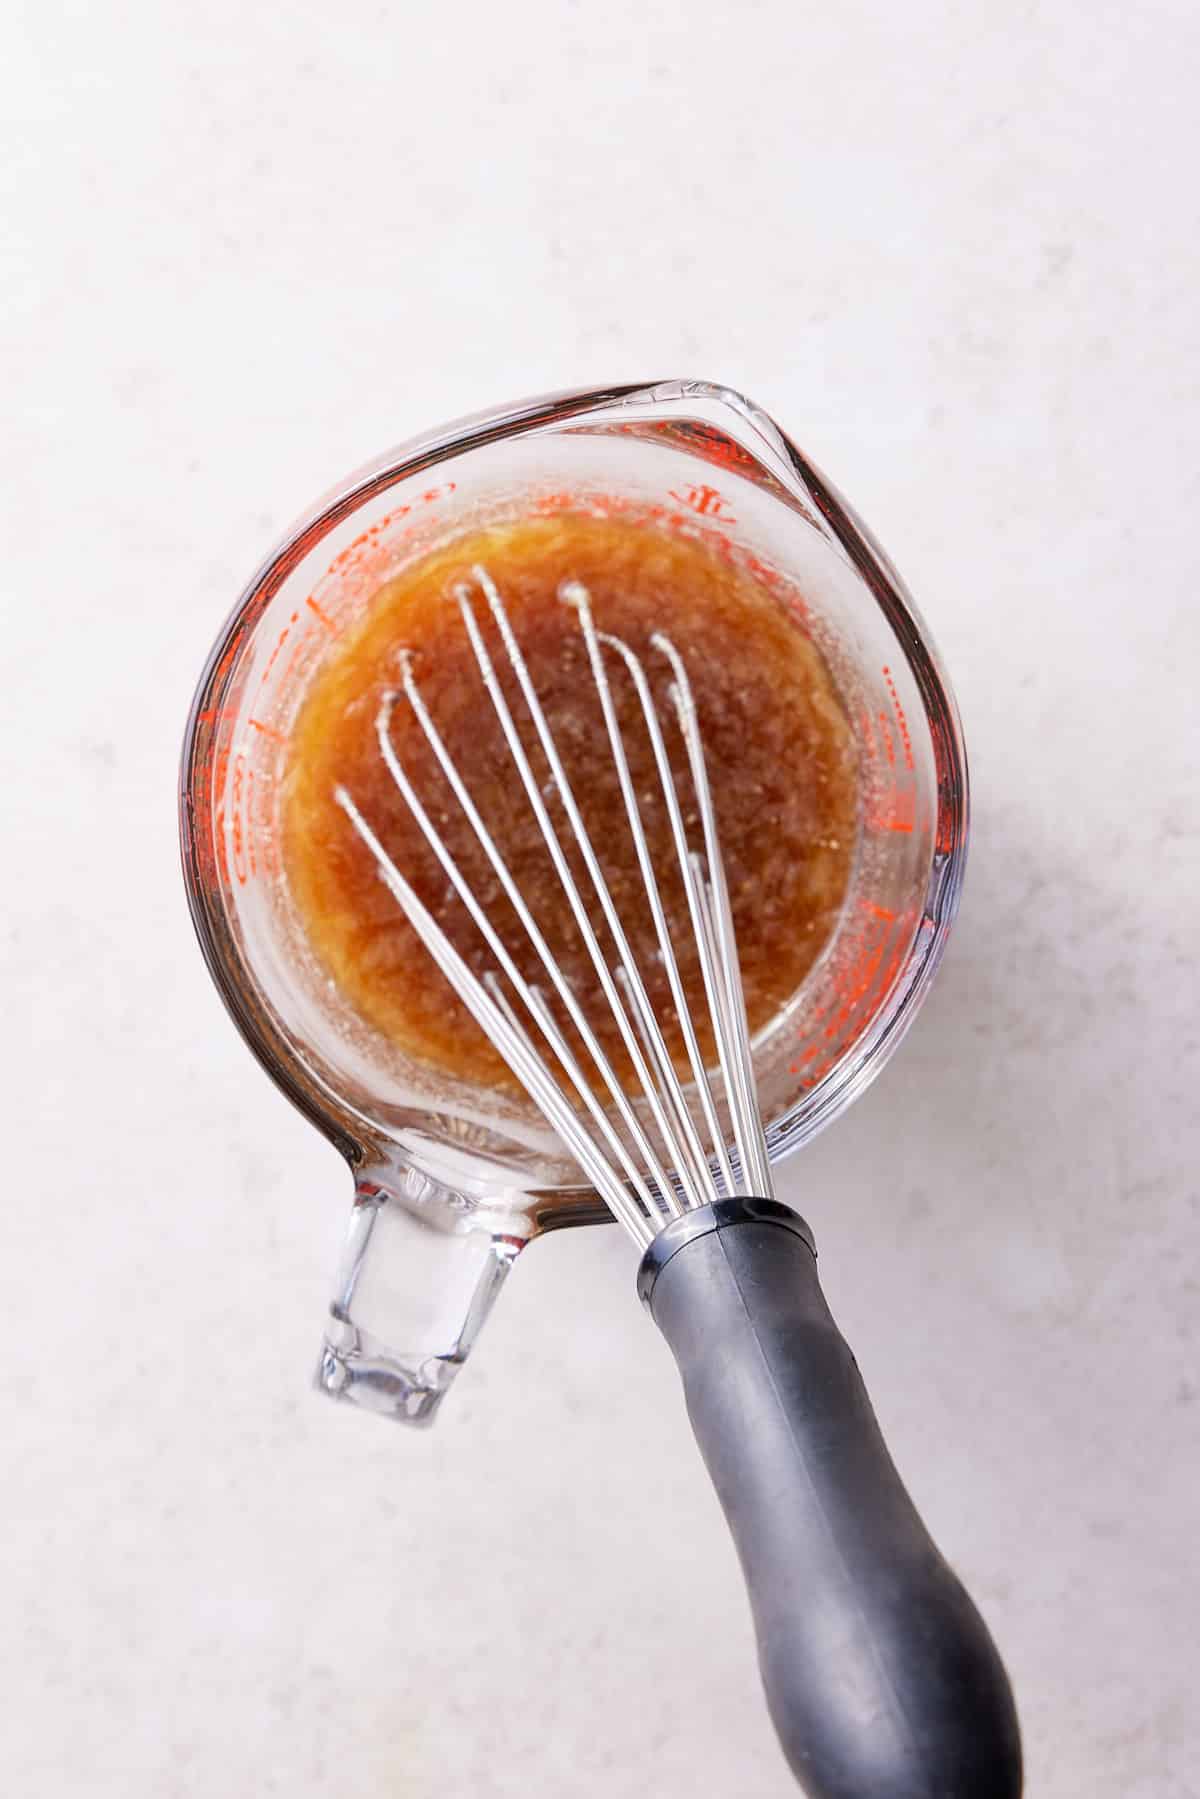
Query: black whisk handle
pixel 880 1675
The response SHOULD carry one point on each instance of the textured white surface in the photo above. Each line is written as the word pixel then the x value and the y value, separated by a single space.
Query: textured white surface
pixel 953 248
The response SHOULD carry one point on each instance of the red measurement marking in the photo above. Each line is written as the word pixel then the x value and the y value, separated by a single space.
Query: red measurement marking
pixel 221 673
pixel 867 971
pixel 715 447
pixel 207 717
pixel 547 504
pixel 366 540
pixel 900 719
pixel 283 637
pixel 323 616
pixel 856 984
pixel 819 1071
pixel 268 731
pixel 238 825
pixel 706 501
pixel 220 776
pixel 304 639
pixel 897 811
pixel 426 499
pixel 352 551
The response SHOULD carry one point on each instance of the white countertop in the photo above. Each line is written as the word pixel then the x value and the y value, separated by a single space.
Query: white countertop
pixel 953 249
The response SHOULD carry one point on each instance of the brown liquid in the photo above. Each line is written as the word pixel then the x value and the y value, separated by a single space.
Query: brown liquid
pixel 777 745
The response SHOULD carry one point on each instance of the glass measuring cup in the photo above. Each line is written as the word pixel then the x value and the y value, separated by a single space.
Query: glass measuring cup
pixel 451 1182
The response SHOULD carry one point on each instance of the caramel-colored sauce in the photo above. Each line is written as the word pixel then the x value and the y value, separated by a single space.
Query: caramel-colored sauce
pixel 777 745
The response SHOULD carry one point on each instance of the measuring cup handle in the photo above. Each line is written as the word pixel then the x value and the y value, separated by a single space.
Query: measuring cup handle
pixel 420 1272
pixel 880 1674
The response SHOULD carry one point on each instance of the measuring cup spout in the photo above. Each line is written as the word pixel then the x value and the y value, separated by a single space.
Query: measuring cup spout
pixel 419 1273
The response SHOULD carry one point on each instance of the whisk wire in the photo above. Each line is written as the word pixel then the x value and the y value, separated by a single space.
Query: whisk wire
pixel 562 868
pixel 665 1092
pixel 640 1196
pixel 679 837
pixel 529 924
pixel 736 1064
pixel 512 1041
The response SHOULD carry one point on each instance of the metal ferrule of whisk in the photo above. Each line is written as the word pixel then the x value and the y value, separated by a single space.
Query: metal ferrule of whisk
pixel 880 1675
